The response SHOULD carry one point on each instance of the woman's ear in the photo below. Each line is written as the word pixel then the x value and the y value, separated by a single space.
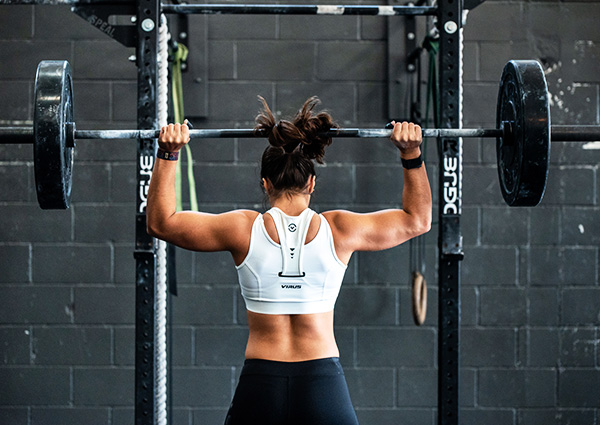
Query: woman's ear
pixel 266 184
pixel 312 183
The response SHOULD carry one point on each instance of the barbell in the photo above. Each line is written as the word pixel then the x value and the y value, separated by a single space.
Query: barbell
pixel 523 133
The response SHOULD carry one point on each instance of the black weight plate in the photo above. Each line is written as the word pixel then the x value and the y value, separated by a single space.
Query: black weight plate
pixel 53 159
pixel 523 156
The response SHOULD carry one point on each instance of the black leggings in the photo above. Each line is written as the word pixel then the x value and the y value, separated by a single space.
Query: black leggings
pixel 313 392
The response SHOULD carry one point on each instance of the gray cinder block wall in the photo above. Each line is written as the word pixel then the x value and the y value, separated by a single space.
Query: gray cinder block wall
pixel 530 295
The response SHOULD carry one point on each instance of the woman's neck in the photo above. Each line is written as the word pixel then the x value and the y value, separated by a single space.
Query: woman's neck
pixel 291 205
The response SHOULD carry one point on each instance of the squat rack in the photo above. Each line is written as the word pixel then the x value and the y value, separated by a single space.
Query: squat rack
pixel 144 37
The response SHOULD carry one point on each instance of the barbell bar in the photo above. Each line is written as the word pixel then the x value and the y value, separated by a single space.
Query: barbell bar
pixel 523 133
pixel 559 133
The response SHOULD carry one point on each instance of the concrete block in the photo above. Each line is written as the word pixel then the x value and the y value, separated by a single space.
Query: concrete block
pixel 577 347
pixel 542 347
pixel 201 387
pixel 370 387
pixel 504 226
pixel 288 61
pixel 480 185
pixel 366 306
pixel 480 104
pixel 389 266
pixel 348 61
pixel 467 391
pixel 124 104
pixel 70 415
pixel 16 22
pixel 241 27
pixel 335 184
pixel 37 305
pixel 203 306
pixel 580 306
pixel 72 346
pixel 222 57
pixel 32 224
pixel 91 183
pixel 124 263
pixel 92 100
pixel 555 416
pixel 488 347
pixel 23 386
pixel 29 56
pixel 483 263
pixel 337 98
pixel 14 415
pixel 378 184
pixel 470 225
pixel 543 306
pixel 417 387
pixel 363 151
pixel 220 346
pixel 570 186
pixel 214 268
pixel 124 346
pixel 372 105
pixel 236 101
pixel 74 264
pixel 544 225
pixel 15 263
pixel 94 67
pixel 386 347
pixel 122 183
pixel 395 416
pixel 318 27
pixel 114 222
pixel 579 227
pixel 225 183
pixel 516 388
pixel 572 100
pixel 17 104
pixel 487 416
pixel 105 305
pixel 503 306
pixel 580 266
pixel 469 306
pixel 578 387
pixel 545 266
pixel 15 346
pixel 103 386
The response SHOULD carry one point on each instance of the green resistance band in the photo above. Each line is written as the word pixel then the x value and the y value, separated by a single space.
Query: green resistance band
pixel 179 57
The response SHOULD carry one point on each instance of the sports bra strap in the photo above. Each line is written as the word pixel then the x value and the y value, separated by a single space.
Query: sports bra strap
pixel 292 234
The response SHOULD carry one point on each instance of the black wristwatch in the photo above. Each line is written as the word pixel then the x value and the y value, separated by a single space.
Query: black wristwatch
pixel 412 163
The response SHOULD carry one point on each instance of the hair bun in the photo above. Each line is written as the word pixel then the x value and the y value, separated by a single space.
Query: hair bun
pixel 304 134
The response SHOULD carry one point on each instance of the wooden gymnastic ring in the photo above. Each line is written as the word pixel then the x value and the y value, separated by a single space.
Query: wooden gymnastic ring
pixel 419 298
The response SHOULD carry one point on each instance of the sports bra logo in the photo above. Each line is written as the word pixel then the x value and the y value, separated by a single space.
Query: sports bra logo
pixel 292 227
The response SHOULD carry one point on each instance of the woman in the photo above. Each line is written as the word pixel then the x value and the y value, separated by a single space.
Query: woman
pixel 290 263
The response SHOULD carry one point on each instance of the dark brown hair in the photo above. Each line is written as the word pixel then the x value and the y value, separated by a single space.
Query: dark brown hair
pixel 293 145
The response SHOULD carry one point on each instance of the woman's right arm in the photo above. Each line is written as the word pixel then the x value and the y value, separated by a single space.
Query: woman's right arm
pixel 191 230
pixel 388 228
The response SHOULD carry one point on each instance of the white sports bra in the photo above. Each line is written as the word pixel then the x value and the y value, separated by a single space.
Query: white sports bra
pixel 290 277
